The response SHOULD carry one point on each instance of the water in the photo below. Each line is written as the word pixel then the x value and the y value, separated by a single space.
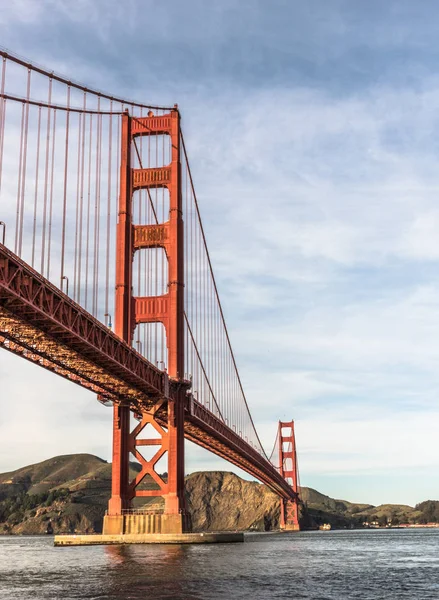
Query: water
pixel 336 565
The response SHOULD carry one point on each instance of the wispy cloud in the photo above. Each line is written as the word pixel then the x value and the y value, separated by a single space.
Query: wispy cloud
pixel 312 137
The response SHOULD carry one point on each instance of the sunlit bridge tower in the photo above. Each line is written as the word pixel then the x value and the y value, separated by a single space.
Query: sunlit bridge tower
pixel 289 509
pixel 166 418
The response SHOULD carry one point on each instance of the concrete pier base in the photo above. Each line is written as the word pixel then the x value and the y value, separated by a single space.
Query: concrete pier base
pixel 141 524
pixel 291 527
pixel 163 538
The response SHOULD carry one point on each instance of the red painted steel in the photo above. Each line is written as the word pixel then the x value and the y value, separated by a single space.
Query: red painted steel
pixel 122 323
pixel 289 518
pixel 167 309
pixel 43 325
pixel 34 301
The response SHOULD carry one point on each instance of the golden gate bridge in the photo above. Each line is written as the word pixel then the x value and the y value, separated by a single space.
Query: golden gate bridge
pixel 97 195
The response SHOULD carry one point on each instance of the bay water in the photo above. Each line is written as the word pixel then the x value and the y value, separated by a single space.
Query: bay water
pixel 327 565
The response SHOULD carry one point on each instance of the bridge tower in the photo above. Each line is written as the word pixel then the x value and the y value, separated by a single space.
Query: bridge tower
pixel 289 509
pixel 166 417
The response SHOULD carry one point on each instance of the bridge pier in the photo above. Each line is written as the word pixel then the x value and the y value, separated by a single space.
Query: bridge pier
pixel 289 509
pixel 289 515
pixel 121 519
pixel 145 524
pixel 120 464
pixel 165 420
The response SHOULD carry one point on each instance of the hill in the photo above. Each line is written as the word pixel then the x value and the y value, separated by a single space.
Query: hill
pixel 341 513
pixel 70 494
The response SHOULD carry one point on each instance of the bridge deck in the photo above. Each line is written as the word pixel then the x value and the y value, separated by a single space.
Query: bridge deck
pixel 43 325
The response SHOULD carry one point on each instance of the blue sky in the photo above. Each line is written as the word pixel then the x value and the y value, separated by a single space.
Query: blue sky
pixel 312 131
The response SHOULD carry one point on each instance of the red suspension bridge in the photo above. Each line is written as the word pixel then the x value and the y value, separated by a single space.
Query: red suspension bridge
pixel 97 195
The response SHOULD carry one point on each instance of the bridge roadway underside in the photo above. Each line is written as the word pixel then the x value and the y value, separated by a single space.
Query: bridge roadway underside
pixel 41 324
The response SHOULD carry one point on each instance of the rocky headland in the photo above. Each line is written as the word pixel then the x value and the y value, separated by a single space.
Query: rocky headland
pixel 70 494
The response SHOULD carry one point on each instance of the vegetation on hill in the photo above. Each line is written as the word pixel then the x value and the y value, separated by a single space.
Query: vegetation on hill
pixel 340 513
pixel 429 511
pixel 70 494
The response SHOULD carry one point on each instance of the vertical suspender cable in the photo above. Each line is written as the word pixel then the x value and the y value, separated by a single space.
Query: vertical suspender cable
pixel 81 199
pixel 37 171
pixel 87 235
pixel 24 163
pixel 64 210
pixel 107 257
pixel 78 210
pixel 49 242
pixel 46 179
pixel 20 162
pixel 2 118
pixel 97 211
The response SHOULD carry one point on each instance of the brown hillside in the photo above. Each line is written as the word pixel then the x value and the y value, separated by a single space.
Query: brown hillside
pixel 71 493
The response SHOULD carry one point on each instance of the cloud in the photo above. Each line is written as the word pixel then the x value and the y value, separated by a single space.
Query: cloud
pixel 314 155
pixel 421 237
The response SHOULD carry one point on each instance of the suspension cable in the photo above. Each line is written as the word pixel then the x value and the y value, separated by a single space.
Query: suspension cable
pixel 217 296
pixel 76 85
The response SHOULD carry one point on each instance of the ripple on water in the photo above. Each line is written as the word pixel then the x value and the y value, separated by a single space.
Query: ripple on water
pixel 334 565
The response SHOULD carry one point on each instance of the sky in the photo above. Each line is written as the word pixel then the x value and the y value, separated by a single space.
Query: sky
pixel 312 129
